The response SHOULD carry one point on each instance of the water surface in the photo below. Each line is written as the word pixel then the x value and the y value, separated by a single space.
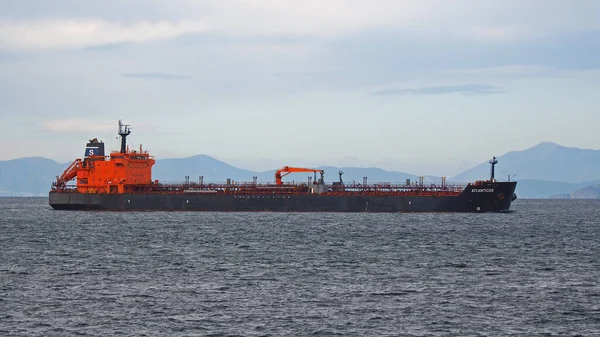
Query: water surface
pixel 530 272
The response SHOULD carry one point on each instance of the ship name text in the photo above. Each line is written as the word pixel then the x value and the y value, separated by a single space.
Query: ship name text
pixel 482 190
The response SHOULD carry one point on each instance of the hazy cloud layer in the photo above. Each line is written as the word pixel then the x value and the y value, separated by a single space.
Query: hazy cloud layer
pixel 154 76
pixel 33 25
pixel 471 89
pixel 56 34
pixel 77 126
pixel 304 81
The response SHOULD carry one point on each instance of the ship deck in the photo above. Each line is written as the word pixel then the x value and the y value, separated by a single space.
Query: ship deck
pixel 235 188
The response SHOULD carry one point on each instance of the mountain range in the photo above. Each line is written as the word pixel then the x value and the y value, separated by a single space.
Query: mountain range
pixel 545 161
pixel 546 170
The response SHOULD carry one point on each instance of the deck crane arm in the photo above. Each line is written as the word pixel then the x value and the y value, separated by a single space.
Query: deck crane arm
pixel 69 174
pixel 284 171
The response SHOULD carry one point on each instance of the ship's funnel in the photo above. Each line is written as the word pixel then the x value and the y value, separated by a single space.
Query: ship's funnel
pixel 94 148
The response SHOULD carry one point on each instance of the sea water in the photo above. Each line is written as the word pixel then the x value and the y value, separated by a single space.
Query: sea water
pixel 532 271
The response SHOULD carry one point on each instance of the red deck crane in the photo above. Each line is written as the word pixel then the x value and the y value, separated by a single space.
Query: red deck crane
pixel 69 174
pixel 284 171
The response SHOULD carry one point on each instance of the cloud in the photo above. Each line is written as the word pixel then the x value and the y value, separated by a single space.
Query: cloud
pixel 153 76
pixel 310 74
pixel 470 89
pixel 76 125
pixel 507 71
pixel 107 46
pixel 58 34
pixel 313 17
pixel 118 21
pixel 296 49
pixel 235 17
pixel 497 33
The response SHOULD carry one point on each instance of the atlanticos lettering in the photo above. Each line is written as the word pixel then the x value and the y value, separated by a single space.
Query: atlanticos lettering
pixel 482 190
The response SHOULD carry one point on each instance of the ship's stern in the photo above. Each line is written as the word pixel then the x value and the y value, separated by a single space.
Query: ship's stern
pixel 77 201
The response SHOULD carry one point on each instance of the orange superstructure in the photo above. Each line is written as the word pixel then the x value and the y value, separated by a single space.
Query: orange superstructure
pixel 122 172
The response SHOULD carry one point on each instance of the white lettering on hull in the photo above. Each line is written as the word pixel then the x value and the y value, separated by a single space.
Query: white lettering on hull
pixel 482 190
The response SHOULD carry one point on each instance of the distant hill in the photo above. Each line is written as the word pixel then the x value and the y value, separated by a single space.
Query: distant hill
pixel 351 174
pixel 215 170
pixel 588 192
pixel 31 176
pixel 545 161
pixel 543 171
pixel 531 188
pixel 201 165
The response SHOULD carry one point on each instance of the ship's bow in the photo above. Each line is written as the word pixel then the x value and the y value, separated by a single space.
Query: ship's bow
pixel 490 196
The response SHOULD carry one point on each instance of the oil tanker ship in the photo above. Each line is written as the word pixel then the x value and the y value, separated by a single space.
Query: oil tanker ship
pixel 122 181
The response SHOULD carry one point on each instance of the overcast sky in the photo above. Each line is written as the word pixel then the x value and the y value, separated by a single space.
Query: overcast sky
pixel 427 87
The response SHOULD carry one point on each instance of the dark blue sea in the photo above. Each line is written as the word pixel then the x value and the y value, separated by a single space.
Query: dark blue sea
pixel 532 272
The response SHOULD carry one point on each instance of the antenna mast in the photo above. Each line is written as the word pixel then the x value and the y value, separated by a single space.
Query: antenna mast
pixel 493 162
pixel 124 131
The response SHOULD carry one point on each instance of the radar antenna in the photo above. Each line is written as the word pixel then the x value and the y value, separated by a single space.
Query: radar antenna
pixel 124 131
pixel 493 162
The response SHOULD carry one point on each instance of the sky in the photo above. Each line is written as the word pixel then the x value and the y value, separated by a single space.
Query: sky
pixel 427 87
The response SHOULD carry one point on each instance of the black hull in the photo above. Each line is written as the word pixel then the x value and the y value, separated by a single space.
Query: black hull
pixel 490 197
